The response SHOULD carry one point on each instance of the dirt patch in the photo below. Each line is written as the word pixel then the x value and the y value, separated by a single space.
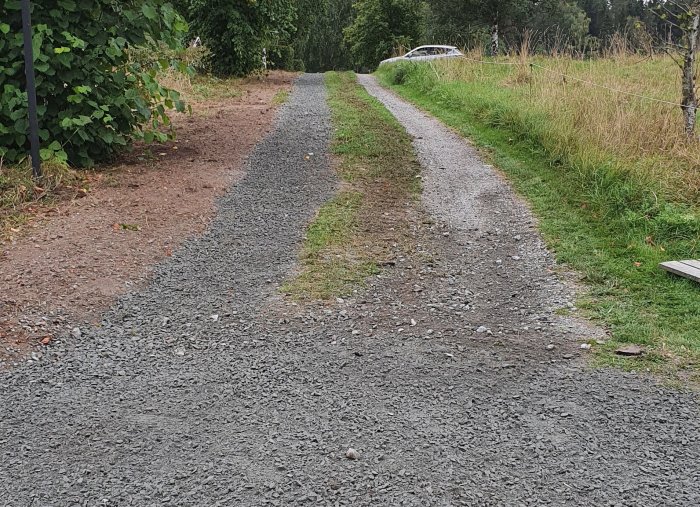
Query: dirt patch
pixel 73 259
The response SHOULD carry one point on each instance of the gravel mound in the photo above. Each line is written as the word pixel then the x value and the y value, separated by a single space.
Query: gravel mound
pixel 433 386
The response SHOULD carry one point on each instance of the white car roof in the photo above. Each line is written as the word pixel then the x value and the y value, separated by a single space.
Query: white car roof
pixel 434 46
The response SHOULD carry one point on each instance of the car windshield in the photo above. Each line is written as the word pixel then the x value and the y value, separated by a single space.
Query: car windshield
pixel 432 51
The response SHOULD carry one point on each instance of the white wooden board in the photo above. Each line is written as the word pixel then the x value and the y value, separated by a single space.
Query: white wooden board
pixel 689 268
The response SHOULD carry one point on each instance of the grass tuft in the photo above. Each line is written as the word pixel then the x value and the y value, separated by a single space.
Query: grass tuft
pixel 19 191
pixel 280 97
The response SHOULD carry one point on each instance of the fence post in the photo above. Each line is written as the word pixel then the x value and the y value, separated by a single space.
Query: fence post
pixel 31 87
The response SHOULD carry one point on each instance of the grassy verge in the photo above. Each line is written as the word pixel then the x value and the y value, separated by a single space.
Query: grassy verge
pixel 202 87
pixel 365 224
pixel 612 225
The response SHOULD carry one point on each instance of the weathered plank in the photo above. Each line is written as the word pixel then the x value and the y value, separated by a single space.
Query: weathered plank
pixel 688 268
pixel 693 263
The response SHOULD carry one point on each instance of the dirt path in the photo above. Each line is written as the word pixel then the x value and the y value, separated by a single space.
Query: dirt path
pixel 207 388
pixel 72 265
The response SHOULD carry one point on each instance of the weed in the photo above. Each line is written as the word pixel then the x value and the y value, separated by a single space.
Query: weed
pixel 280 97
pixel 19 189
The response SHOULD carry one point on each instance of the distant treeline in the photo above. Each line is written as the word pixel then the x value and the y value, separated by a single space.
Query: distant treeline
pixel 333 34
pixel 319 35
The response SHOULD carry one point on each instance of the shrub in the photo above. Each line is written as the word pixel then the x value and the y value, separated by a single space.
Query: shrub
pixel 92 99
pixel 398 73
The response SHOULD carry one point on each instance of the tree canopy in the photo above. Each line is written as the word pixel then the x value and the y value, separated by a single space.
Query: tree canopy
pixel 237 31
pixel 380 26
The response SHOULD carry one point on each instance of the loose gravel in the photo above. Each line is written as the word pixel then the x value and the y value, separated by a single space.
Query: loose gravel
pixel 435 385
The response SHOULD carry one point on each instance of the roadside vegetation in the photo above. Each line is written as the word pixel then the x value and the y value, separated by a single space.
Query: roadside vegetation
pixel 612 177
pixel 107 77
pixel 367 224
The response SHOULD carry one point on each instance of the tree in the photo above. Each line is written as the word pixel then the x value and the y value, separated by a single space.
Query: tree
pixel 500 13
pixel 236 31
pixel 684 16
pixel 319 36
pixel 494 16
pixel 382 25
pixel 92 99
pixel 565 16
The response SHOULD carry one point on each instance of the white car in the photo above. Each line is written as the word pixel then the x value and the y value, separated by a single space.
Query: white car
pixel 426 53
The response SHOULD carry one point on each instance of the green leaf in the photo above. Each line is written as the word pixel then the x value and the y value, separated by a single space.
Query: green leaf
pixel 149 11
pixel 4 28
pixel 68 5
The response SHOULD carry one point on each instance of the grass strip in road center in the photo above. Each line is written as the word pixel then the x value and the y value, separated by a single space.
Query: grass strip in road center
pixel 368 223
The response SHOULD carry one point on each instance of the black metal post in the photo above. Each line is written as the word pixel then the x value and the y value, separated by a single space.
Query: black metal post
pixel 31 87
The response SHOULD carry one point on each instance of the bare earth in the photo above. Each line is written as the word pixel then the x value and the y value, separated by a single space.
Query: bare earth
pixel 73 264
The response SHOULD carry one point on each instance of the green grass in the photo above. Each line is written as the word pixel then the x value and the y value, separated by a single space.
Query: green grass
pixel 280 97
pixel 207 87
pixel 202 87
pixel 370 142
pixel 329 266
pixel 607 225
pixel 376 163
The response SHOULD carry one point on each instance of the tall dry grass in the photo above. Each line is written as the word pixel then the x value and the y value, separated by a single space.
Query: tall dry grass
pixel 600 111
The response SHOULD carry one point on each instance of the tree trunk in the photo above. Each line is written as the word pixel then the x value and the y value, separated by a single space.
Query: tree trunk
pixel 689 99
pixel 494 39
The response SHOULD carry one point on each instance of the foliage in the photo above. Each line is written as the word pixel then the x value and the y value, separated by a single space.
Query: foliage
pixel 318 41
pixel 373 28
pixel 236 31
pixel 562 16
pixel 180 59
pixel 380 26
pixel 464 21
pixel 91 97
pixel 556 23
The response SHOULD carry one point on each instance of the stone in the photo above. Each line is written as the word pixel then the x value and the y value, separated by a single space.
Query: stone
pixel 630 351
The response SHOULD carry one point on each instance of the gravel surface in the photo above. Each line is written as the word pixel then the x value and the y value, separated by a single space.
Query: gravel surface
pixel 434 386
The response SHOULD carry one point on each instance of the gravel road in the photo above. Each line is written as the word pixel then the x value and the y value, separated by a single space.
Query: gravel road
pixel 208 388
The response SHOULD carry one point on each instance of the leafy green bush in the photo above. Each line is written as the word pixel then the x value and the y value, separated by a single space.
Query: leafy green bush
pixel 92 99
pixel 188 60
pixel 398 72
